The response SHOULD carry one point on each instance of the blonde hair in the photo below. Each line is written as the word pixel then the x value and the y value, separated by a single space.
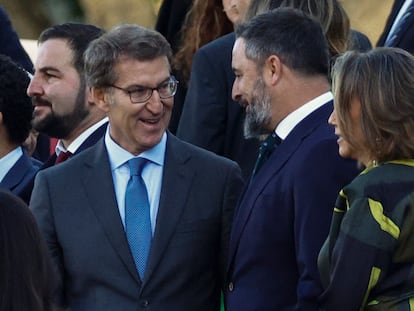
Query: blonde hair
pixel 332 17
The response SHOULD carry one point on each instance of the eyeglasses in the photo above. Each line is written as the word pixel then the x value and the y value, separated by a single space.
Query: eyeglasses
pixel 141 94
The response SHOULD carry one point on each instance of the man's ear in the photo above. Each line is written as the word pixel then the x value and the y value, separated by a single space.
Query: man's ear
pixel 99 97
pixel 273 69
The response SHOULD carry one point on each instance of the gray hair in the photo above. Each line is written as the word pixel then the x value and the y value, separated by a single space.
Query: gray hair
pixel 123 41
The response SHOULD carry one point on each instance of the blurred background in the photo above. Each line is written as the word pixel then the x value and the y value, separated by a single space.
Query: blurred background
pixel 30 17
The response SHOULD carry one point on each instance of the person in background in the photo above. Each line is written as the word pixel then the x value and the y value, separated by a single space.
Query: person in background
pixel 334 21
pixel 17 168
pixel 154 210
pixel 63 108
pixel 399 28
pixel 204 22
pixel 281 61
pixel 371 234
pixel 210 118
pixel 26 276
pixel 236 10
pixel 170 20
pixel 10 45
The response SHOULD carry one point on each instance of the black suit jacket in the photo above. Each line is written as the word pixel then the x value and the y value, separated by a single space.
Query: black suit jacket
pixel 170 19
pixel 406 38
pixel 75 206
pixel 210 118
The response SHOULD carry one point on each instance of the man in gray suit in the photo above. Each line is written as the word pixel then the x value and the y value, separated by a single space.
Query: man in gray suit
pixel 169 251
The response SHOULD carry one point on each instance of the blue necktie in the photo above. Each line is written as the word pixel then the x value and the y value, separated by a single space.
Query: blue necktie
pixel 265 150
pixel 392 38
pixel 137 215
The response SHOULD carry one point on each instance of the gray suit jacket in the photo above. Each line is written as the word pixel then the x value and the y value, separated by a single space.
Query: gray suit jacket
pixel 76 209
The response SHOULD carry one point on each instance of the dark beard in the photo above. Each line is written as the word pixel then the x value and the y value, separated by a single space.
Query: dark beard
pixel 61 126
pixel 258 112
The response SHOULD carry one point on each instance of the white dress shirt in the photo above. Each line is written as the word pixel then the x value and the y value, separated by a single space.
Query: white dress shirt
pixel 296 116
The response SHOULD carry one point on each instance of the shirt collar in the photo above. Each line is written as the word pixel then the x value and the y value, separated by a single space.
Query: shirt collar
pixel 7 162
pixel 118 155
pixel 293 119
pixel 80 139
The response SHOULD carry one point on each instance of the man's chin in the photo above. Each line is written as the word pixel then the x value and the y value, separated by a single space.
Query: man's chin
pixel 257 131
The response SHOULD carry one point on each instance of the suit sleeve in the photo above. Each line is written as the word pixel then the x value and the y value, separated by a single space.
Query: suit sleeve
pixel 314 195
pixel 233 187
pixel 42 208
pixel 203 119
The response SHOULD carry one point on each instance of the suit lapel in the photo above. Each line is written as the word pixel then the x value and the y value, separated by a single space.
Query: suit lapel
pixel 16 174
pixel 97 180
pixel 176 182
pixel 271 168
pixel 390 21
pixel 93 138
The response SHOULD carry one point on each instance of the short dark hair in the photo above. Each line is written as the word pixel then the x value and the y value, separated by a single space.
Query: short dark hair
pixel 78 37
pixel 25 267
pixel 296 38
pixel 15 105
pixel 129 41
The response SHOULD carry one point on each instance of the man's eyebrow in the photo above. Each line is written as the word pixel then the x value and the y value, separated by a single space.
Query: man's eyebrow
pixel 48 68
pixel 146 86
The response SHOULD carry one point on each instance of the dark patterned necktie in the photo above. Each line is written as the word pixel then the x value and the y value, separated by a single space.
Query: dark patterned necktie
pixel 137 215
pixel 265 150
pixel 393 37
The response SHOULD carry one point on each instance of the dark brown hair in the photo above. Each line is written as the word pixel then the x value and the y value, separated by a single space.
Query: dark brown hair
pixel 25 268
pixel 204 22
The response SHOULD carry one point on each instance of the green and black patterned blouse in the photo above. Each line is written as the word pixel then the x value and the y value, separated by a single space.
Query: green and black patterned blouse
pixel 367 261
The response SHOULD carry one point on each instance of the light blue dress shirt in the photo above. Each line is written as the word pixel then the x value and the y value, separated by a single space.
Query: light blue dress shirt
pixel 152 173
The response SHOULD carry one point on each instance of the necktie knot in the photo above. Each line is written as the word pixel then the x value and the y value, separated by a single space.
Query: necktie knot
pixel 270 143
pixel 136 165
pixel 63 156
pixel 265 150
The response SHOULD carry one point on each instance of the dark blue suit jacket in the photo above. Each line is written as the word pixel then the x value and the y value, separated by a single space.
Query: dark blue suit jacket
pixel 210 118
pixel 75 206
pixel 89 142
pixel 20 175
pixel 283 219
pixel 406 38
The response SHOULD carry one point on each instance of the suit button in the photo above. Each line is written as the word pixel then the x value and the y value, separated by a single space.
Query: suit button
pixel 231 286
pixel 145 303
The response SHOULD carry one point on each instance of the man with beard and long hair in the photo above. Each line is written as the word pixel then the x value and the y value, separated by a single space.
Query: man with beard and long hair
pixel 281 60
pixel 62 105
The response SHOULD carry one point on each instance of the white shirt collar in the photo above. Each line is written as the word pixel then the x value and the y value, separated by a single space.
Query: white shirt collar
pixel 293 119
pixel 80 139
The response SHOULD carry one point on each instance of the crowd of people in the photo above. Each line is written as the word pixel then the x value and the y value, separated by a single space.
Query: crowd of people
pixel 283 181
